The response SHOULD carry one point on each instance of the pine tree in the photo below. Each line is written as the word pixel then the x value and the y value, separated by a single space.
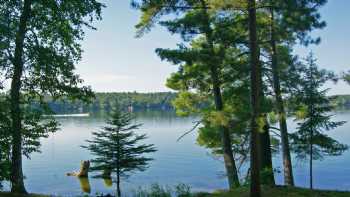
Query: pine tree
pixel 255 78
pixel 118 149
pixel 290 21
pixel 196 25
pixel 310 139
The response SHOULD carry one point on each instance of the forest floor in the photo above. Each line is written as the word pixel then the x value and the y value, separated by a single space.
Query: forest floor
pixel 279 191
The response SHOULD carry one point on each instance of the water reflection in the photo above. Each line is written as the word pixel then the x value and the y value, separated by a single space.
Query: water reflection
pixel 108 182
pixel 86 187
pixel 175 162
pixel 84 184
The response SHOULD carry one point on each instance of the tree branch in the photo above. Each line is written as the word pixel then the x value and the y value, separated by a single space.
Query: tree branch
pixel 188 132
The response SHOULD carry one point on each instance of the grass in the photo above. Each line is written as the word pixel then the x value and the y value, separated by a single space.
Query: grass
pixel 278 191
pixel 8 194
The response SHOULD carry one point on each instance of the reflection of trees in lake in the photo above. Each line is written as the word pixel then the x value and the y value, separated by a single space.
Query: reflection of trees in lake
pixel 84 184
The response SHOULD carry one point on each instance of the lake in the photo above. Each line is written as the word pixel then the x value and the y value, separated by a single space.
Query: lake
pixel 175 162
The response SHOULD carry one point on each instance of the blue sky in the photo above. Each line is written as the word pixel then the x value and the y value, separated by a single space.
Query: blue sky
pixel 114 60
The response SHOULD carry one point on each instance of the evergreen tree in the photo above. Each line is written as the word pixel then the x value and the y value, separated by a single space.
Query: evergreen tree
pixel 205 57
pixel 310 140
pixel 282 24
pixel 118 149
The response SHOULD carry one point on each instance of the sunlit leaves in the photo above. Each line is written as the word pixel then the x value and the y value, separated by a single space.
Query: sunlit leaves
pixel 219 118
pixel 187 103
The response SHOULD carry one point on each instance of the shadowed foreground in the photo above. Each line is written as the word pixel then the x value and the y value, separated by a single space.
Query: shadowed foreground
pixel 7 194
pixel 279 191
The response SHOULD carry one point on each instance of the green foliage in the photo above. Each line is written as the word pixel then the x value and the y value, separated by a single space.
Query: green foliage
pixel 315 118
pixel 52 45
pixel 40 43
pixel 278 191
pixel 213 59
pixel 154 191
pixel 346 77
pixel 34 127
pixel 103 102
pixel 5 139
pixel 180 190
pixel 187 103
pixel 117 148
pixel 340 101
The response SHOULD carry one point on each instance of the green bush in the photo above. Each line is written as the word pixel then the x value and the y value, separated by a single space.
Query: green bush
pixel 155 190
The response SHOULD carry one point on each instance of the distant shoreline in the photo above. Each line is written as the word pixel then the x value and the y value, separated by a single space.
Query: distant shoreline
pixel 70 115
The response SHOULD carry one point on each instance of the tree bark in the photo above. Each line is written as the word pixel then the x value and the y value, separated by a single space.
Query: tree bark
pixel 230 165
pixel 118 165
pixel 255 74
pixel 16 127
pixel 287 162
pixel 265 155
pixel 264 143
pixel 118 185
pixel 311 155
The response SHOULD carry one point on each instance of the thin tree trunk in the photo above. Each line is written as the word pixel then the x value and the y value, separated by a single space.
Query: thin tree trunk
pixel 118 164
pixel 255 74
pixel 311 111
pixel 16 170
pixel 311 155
pixel 118 185
pixel 287 162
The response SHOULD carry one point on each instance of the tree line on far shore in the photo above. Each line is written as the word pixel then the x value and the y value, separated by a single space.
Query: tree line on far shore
pixel 158 101
pixel 236 66
pixel 139 102
pixel 104 102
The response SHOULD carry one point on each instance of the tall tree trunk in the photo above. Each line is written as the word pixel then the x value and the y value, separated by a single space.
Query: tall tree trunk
pixel 265 155
pixel 230 165
pixel 255 74
pixel 264 143
pixel 287 162
pixel 16 127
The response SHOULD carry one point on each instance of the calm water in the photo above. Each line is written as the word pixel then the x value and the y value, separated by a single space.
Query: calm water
pixel 175 162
